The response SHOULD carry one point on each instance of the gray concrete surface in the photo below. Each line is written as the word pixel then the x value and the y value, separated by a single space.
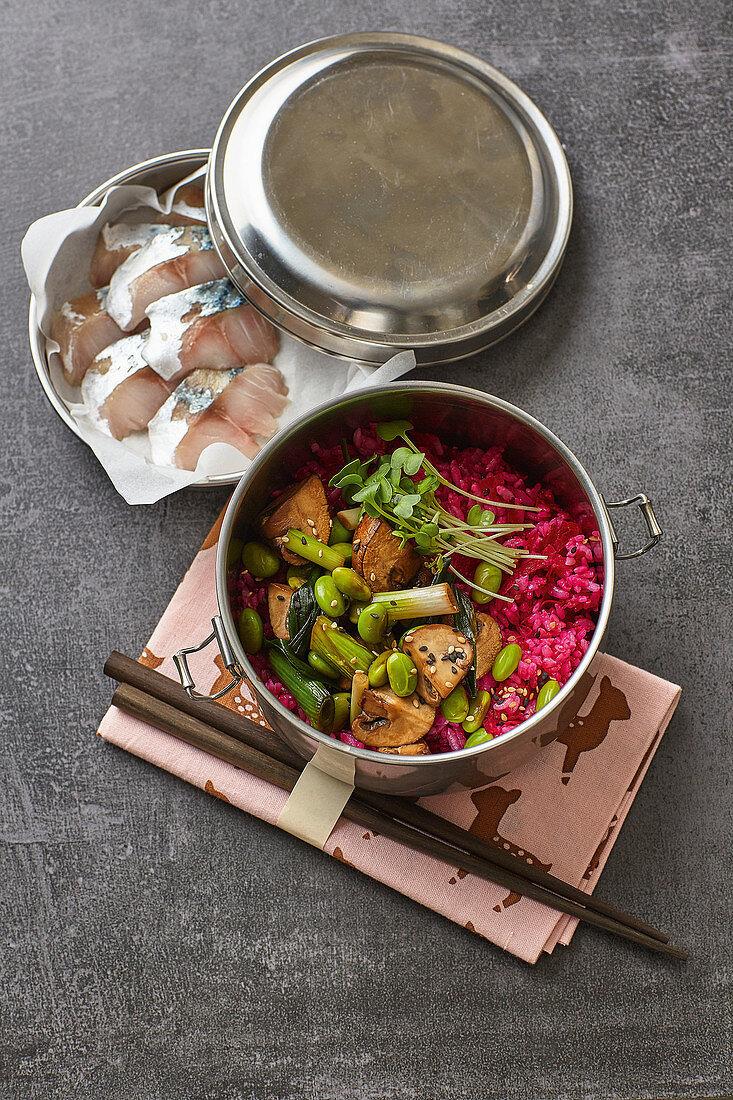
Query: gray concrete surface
pixel 156 943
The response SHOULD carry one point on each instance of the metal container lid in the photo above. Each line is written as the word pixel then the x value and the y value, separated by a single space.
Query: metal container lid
pixel 371 193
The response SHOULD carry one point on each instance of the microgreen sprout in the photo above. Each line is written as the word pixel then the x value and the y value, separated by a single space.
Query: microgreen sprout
pixel 389 491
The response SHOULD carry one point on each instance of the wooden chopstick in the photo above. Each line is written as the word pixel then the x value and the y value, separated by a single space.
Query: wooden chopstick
pixel 194 731
pixel 127 670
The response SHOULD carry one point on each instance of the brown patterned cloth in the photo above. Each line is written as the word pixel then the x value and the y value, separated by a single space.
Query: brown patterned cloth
pixel 562 811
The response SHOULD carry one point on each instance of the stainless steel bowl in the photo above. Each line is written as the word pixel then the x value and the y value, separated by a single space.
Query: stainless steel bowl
pixel 462 416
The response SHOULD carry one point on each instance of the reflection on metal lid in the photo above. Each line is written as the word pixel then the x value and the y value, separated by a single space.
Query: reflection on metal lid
pixel 375 192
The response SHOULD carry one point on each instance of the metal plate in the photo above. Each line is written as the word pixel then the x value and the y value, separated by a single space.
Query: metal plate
pixel 159 173
pixel 378 192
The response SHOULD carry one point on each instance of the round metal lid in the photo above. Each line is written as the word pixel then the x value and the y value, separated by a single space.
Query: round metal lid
pixel 378 192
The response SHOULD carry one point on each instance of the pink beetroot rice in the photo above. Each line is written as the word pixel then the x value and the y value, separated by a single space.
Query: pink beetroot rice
pixel 555 600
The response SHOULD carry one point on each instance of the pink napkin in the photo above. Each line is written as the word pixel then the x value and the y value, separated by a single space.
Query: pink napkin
pixel 562 810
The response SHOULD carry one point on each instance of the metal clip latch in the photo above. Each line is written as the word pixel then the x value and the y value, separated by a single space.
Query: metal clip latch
pixel 655 531
pixel 230 662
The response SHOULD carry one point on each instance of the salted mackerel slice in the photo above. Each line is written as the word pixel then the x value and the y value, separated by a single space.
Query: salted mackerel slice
pixel 120 391
pixel 188 207
pixel 206 325
pixel 82 328
pixel 115 244
pixel 240 407
pixel 178 258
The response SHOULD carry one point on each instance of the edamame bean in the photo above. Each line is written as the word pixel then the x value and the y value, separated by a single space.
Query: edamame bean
pixel 378 669
pixel 351 584
pixel 372 623
pixel 249 628
pixel 477 710
pixel 341 708
pixel 478 738
pixel 481 517
pixel 339 533
pixel 328 597
pixel 344 548
pixel 454 707
pixel 260 560
pixel 488 577
pixel 298 575
pixel 320 664
pixel 506 662
pixel 355 609
pixel 234 552
pixel 401 673
pixel 547 693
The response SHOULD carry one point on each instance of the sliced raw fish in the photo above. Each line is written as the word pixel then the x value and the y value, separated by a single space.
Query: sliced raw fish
pixel 121 391
pixel 82 328
pixel 115 244
pixel 255 400
pixel 207 326
pixel 217 407
pixel 178 258
pixel 188 207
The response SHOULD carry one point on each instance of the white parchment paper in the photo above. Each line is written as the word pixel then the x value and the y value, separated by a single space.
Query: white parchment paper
pixel 57 251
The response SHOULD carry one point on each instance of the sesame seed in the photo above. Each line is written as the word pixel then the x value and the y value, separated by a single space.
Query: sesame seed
pixel 423 648
pixel 352 661
pixel 413 670
pixel 415 703
pixel 447 683
pixel 409 637
pixel 503 717
pixel 431 668
pixel 462 639
pixel 320 553
pixel 372 576
pixel 334 603
pixel 451 649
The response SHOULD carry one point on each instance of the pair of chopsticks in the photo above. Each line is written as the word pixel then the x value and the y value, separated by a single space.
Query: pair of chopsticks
pixel 159 701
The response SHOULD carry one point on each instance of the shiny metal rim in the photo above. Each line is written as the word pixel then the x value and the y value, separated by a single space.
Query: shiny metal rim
pixel 566 454
pixel 342 340
pixel 188 160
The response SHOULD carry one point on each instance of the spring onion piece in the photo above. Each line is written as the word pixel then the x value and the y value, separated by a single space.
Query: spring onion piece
pixel 358 686
pixel 311 694
pixel 305 546
pixel 418 603
pixel 465 622
pixel 302 614
pixel 342 704
pixel 338 648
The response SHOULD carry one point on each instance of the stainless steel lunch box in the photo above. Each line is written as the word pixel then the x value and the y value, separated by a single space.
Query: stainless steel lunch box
pixel 457 415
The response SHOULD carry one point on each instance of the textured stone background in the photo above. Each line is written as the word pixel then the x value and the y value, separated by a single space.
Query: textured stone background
pixel 155 943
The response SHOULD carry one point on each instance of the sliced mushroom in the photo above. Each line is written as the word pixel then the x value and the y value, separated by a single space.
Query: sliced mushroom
pixel 424 577
pixel 380 559
pixel 278 602
pixel 303 506
pixel 418 749
pixel 349 518
pixel 488 642
pixel 442 657
pixel 389 721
